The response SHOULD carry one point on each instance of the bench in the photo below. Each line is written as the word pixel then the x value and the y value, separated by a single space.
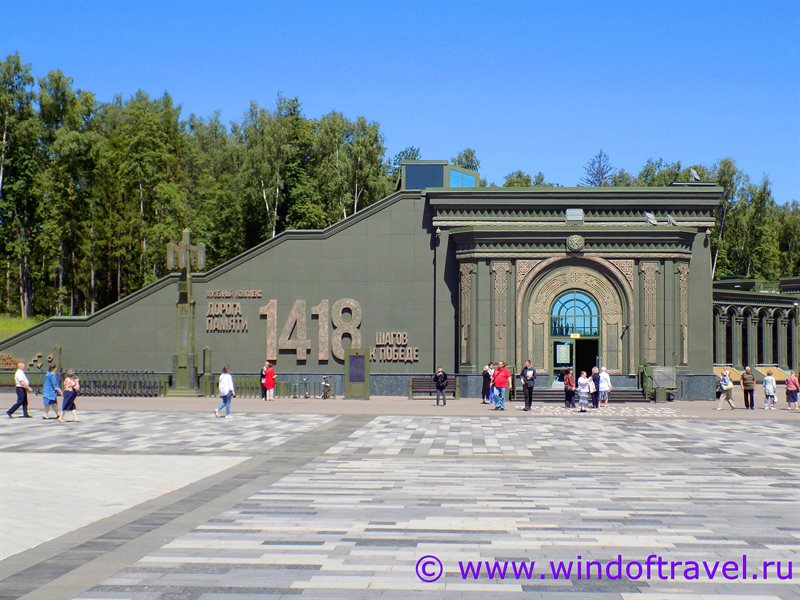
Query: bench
pixel 426 385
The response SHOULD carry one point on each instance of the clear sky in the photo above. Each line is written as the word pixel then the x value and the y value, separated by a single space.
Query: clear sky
pixel 529 85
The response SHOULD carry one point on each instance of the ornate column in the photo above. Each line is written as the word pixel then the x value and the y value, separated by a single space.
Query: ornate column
pixel 783 341
pixel 465 312
pixel 752 339
pixel 683 327
pixel 736 341
pixel 766 348
pixel 499 345
pixel 650 326
pixel 721 324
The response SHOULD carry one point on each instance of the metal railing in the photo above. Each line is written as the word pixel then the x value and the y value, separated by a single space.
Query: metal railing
pixel 123 383
pixel 249 386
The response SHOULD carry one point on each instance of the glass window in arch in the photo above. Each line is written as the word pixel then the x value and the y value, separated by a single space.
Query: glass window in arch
pixel 574 312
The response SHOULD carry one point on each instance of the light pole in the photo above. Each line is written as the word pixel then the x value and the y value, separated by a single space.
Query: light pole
pixel 796 338
pixel 437 236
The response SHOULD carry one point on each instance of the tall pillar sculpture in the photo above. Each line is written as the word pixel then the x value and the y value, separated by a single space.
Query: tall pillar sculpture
pixel 184 362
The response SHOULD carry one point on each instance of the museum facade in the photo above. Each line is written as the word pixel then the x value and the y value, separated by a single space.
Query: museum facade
pixel 445 273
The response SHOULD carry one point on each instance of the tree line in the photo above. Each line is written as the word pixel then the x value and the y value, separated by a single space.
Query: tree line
pixel 91 192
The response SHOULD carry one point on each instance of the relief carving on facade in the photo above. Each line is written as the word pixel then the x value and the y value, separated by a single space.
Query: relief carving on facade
pixel 565 279
pixel 625 267
pixel 541 285
pixel 467 269
pixel 523 268
pixel 501 271
pixel 683 274
pixel 650 269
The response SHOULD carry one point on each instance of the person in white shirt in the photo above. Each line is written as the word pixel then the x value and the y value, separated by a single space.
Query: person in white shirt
pixel 605 386
pixel 770 386
pixel 23 386
pixel 226 391
pixel 583 391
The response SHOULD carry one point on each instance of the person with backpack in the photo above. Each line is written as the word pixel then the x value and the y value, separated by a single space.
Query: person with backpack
pixel 440 379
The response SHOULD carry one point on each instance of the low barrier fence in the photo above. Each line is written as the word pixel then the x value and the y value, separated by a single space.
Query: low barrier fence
pixel 105 383
pixel 123 383
pixel 249 386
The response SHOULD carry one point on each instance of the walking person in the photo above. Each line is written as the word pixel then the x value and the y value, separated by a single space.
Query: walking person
pixel 72 386
pixel 792 386
pixel 770 388
pixel 487 385
pixel 269 382
pixel 528 380
pixel 726 389
pixel 226 392
pixel 569 389
pixel 440 379
pixel 605 386
pixel 595 387
pixel 500 380
pixel 584 392
pixel 51 390
pixel 748 383
pixel 23 386
pixel 263 377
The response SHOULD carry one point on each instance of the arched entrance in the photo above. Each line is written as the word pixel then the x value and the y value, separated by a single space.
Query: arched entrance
pixel 579 307
pixel 575 332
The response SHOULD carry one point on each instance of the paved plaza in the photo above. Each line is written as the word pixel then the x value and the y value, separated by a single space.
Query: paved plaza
pixel 166 502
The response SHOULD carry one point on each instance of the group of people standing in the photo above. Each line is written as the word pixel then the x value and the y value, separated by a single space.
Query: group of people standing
pixel 747 382
pixel 596 387
pixel 498 380
pixel 51 390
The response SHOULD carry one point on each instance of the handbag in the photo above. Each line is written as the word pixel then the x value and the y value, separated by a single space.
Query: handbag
pixel 728 386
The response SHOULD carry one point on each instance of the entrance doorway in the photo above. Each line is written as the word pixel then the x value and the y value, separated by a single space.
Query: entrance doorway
pixel 586 354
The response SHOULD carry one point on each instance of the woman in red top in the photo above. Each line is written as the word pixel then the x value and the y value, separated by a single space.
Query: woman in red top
pixel 269 382
pixel 569 389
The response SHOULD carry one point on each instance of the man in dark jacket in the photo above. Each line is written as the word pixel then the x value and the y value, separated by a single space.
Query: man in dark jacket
pixel 441 385
pixel 528 379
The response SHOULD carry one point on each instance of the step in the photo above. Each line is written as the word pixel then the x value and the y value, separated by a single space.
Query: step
pixel 556 395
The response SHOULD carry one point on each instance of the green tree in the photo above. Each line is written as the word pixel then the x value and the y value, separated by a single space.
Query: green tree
pixel 20 160
pixel 214 172
pixel 518 178
pixel 466 159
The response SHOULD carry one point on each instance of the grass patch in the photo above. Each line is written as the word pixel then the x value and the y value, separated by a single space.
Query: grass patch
pixel 13 325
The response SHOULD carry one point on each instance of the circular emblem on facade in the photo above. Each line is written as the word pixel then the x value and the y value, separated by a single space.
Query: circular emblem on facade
pixel 575 243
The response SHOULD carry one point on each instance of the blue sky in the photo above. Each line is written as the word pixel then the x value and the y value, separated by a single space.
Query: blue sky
pixel 529 85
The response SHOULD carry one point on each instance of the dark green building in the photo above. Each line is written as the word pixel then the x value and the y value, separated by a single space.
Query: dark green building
pixel 445 273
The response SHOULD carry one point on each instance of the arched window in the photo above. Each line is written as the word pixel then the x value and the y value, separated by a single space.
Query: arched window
pixel 574 312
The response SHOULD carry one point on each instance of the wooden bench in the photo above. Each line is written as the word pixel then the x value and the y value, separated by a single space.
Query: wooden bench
pixel 426 385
